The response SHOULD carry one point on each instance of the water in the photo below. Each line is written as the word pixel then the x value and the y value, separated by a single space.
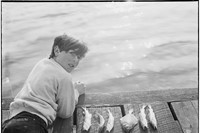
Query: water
pixel 133 46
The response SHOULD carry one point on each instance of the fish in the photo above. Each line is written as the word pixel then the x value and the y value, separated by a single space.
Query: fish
pixel 101 123
pixel 101 120
pixel 110 123
pixel 152 117
pixel 87 121
pixel 129 121
pixel 142 118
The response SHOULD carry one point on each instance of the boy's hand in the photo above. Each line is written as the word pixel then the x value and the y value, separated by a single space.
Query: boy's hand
pixel 80 87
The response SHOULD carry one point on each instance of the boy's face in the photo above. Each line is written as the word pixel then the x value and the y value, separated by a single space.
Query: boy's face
pixel 68 60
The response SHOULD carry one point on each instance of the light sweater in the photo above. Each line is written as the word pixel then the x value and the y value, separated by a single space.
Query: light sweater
pixel 48 92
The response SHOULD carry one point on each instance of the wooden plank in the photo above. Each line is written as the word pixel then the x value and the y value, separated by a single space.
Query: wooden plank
pixel 165 120
pixel 169 95
pixel 116 111
pixel 195 104
pixel 187 116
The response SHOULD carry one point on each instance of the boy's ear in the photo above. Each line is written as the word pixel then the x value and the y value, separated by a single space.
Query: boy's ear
pixel 56 51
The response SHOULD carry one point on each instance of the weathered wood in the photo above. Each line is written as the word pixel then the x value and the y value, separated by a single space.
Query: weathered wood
pixel 169 95
pixel 116 111
pixel 187 116
pixel 120 98
pixel 165 120
pixel 195 104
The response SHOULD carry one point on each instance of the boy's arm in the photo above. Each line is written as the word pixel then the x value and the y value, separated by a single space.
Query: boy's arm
pixel 76 93
pixel 79 88
pixel 65 98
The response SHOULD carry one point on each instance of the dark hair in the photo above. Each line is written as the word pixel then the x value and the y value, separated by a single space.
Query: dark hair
pixel 66 43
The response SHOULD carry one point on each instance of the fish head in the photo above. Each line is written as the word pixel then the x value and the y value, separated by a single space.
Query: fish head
pixel 108 111
pixel 130 111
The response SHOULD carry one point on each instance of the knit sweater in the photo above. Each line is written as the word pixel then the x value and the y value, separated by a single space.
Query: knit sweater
pixel 48 92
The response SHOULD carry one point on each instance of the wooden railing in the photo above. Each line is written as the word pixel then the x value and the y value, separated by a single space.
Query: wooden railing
pixel 182 103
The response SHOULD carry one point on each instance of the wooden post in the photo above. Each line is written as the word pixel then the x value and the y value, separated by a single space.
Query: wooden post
pixel 187 116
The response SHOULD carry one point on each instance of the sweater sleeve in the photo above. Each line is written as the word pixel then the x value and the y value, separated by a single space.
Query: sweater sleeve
pixel 65 98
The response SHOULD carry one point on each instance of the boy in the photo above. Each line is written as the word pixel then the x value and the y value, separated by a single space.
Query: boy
pixel 48 92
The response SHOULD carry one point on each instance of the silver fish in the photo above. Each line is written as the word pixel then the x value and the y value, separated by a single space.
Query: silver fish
pixel 87 121
pixel 110 123
pixel 152 117
pixel 142 118
pixel 101 120
pixel 101 123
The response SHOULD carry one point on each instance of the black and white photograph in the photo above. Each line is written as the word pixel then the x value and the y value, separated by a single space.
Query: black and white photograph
pixel 100 67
